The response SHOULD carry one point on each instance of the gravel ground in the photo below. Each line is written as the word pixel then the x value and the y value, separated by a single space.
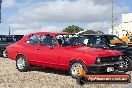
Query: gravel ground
pixel 42 78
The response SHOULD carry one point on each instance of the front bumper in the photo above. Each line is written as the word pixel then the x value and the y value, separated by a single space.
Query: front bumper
pixel 102 68
pixel 130 44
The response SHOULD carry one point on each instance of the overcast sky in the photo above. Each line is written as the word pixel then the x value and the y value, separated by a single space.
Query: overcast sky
pixel 26 16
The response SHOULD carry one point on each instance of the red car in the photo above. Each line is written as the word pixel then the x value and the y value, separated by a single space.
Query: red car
pixel 56 50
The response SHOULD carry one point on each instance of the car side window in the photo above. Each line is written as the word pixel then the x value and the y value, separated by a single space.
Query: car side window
pixel 97 41
pixel 47 40
pixel 33 40
pixel 4 39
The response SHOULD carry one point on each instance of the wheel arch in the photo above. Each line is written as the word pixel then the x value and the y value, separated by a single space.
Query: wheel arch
pixel 19 55
pixel 3 49
pixel 74 60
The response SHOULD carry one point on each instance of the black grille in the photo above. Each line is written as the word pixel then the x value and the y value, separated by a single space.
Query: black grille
pixel 109 59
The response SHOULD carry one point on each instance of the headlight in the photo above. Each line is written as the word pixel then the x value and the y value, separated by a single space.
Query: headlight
pixel 120 58
pixel 130 39
pixel 98 61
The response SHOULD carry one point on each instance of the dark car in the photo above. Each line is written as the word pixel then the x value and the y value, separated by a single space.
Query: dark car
pixel 112 42
pixel 17 37
pixel 6 40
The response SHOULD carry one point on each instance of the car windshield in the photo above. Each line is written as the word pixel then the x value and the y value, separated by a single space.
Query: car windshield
pixel 70 40
pixel 113 41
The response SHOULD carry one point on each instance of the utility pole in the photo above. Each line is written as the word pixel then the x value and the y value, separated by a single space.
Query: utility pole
pixel 9 30
pixel 0 10
pixel 112 26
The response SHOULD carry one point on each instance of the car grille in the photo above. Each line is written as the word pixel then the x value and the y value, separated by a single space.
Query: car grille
pixel 109 59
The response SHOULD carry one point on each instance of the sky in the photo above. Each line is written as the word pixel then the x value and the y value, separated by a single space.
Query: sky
pixel 27 16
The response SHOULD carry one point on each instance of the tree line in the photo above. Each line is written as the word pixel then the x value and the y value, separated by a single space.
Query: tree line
pixel 76 29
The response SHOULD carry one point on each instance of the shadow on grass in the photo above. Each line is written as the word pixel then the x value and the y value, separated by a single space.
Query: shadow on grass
pixel 50 70
pixel 66 73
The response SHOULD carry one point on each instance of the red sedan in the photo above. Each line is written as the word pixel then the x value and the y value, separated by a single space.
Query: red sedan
pixel 56 50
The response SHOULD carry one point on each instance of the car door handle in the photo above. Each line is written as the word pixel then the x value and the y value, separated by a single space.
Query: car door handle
pixel 37 49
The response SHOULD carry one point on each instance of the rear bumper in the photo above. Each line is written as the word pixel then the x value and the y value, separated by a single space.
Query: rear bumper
pixel 102 68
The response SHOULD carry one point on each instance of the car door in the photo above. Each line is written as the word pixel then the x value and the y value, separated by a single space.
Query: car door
pixel 31 47
pixel 48 51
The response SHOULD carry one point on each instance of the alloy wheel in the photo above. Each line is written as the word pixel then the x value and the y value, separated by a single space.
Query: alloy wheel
pixel 75 69
pixel 21 63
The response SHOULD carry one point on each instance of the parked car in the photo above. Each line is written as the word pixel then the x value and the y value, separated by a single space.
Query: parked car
pixel 56 50
pixel 127 39
pixel 17 37
pixel 111 42
pixel 6 40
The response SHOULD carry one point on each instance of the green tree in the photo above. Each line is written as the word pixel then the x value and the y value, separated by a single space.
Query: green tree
pixel 73 29
pixel 92 32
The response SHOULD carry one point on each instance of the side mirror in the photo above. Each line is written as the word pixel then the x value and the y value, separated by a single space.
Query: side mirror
pixel 51 47
pixel 31 42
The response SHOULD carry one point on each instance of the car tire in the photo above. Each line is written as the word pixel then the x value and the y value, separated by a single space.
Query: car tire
pixel 81 80
pixel 22 64
pixel 127 64
pixel 74 71
pixel 130 65
pixel 4 53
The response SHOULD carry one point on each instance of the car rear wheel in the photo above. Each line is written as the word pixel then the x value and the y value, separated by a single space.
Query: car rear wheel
pixel 4 54
pixel 22 64
pixel 74 68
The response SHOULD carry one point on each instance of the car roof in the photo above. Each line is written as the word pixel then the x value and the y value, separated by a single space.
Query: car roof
pixel 99 34
pixel 53 33
pixel 5 36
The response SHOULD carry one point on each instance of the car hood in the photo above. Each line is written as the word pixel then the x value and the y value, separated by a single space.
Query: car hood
pixel 126 50
pixel 94 51
pixel 121 48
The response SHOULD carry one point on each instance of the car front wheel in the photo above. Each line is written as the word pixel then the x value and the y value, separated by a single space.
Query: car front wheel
pixel 127 65
pixel 4 54
pixel 22 64
pixel 74 68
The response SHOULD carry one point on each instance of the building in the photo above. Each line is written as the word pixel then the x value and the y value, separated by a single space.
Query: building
pixel 125 27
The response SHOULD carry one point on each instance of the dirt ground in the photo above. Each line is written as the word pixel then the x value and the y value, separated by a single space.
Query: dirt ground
pixel 42 78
